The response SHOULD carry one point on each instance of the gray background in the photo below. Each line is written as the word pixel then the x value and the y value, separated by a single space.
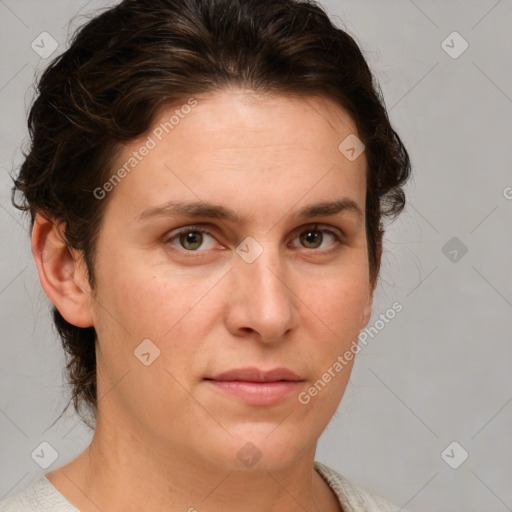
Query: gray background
pixel 440 371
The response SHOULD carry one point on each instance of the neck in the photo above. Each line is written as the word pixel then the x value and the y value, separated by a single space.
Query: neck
pixel 121 470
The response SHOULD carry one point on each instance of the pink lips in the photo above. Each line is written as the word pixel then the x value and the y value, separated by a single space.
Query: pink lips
pixel 257 387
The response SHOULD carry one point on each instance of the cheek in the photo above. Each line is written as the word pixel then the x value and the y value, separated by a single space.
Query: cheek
pixel 130 311
pixel 140 299
pixel 340 301
pixel 171 309
pixel 338 308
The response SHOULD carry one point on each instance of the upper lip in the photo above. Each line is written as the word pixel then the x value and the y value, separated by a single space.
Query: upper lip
pixel 253 374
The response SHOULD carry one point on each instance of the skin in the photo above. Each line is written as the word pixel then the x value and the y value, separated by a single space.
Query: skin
pixel 165 438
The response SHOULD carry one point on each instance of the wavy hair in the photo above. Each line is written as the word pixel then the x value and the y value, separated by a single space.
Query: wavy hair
pixel 124 65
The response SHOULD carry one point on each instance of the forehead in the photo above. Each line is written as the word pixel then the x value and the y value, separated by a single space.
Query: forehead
pixel 243 147
pixel 254 119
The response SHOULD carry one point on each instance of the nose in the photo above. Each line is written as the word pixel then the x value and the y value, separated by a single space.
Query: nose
pixel 263 302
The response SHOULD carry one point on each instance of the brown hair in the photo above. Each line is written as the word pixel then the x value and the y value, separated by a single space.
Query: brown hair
pixel 125 64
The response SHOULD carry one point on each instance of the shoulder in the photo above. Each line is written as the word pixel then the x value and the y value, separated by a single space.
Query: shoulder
pixel 39 496
pixel 354 497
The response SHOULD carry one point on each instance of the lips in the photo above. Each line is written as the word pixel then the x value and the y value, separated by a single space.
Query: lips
pixel 253 374
pixel 257 387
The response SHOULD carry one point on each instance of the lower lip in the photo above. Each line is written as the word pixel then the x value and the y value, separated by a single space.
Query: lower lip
pixel 257 393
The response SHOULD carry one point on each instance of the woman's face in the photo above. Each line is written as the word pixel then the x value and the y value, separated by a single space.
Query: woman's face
pixel 253 281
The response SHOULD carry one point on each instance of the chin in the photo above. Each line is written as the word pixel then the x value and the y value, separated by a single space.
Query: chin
pixel 260 452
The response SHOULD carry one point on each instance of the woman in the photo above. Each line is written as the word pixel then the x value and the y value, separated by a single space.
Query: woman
pixel 207 182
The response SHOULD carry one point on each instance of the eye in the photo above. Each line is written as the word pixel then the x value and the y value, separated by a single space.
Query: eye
pixel 191 239
pixel 198 239
pixel 313 237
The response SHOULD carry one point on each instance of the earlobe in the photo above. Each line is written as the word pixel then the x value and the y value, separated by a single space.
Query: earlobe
pixel 62 272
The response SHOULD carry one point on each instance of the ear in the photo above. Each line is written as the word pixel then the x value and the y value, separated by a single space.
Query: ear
pixel 62 272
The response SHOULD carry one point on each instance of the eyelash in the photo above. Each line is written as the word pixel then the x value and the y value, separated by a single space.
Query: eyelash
pixel 313 227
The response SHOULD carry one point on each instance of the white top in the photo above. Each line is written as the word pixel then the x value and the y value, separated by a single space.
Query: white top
pixel 42 496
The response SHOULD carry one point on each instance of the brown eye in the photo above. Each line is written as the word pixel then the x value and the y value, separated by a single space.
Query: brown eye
pixel 191 240
pixel 317 238
pixel 311 239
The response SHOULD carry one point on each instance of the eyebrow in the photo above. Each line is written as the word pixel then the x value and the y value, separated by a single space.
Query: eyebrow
pixel 214 211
